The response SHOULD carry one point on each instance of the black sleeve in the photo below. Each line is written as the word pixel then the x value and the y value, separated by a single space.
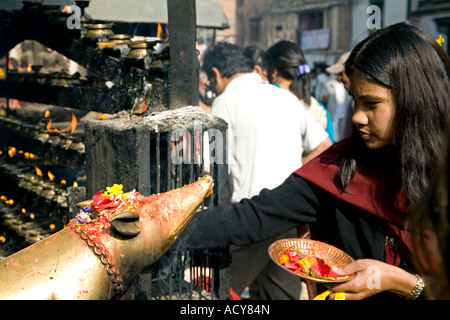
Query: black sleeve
pixel 264 216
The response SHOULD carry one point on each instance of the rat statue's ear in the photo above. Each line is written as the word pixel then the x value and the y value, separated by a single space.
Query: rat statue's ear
pixel 126 223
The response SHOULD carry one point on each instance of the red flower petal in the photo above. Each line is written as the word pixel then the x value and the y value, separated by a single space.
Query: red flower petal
pixel 292 255
pixel 100 203
pixel 321 269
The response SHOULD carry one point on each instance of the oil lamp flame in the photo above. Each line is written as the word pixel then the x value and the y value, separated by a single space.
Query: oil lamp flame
pixel 71 127
pixel 11 152
pixel 38 171
pixel 73 124
pixel 67 9
pixel 159 33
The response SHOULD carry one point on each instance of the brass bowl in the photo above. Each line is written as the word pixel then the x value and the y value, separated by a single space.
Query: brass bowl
pixel 332 256
pixel 141 49
pixel 119 38
pixel 85 22
pixel 98 31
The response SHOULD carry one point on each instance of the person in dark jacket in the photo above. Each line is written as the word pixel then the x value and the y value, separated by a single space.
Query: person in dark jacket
pixel 357 195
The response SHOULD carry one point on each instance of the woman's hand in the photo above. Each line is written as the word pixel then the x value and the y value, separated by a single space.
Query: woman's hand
pixel 372 277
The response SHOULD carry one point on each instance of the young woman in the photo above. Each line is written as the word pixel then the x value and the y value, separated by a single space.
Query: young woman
pixel 356 195
pixel 286 67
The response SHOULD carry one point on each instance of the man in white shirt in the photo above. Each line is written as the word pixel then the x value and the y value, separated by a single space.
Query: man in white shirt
pixel 269 132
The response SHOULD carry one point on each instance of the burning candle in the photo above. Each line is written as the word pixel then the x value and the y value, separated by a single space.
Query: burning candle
pixel 38 171
pixel 71 127
pixel 11 152
pixel 50 175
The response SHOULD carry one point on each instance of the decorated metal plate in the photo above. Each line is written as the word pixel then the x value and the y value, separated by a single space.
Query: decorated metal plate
pixel 310 249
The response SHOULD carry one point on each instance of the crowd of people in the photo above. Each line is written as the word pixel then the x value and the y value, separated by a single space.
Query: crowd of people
pixel 379 193
pixel 327 98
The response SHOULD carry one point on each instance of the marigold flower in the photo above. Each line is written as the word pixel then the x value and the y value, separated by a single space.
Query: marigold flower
pixel 113 191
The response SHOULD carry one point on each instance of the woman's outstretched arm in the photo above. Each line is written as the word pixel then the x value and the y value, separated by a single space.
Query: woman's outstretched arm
pixel 265 216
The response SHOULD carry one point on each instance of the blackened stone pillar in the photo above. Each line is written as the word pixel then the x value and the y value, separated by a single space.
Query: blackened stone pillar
pixel 184 64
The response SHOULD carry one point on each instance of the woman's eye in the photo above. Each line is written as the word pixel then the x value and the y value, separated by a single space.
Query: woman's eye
pixel 371 104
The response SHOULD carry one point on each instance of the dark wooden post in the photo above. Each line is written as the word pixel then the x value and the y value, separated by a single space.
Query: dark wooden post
pixel 184 65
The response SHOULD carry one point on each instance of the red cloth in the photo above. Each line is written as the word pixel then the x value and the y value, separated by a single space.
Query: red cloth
pixel 372 190
pixel 234 295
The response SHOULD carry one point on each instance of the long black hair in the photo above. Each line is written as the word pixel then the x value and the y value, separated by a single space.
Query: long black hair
pixel 286 57
pixel 410 62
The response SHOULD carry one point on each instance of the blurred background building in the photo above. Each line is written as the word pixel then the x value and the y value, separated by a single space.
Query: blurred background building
pixel 325 28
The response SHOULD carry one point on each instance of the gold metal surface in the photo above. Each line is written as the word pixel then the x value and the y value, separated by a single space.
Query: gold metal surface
pixel 119 38
pixel 140 50
pixel 63 266
pixel 95 31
